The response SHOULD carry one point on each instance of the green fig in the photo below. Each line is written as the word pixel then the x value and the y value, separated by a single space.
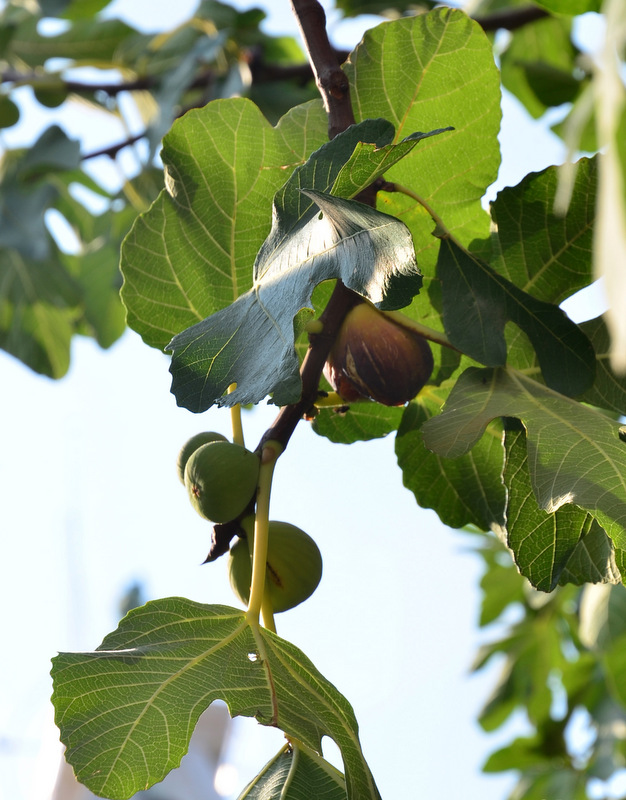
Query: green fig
pixel 191 445
pixel 294 566
pixel 375 357
pixel 221 480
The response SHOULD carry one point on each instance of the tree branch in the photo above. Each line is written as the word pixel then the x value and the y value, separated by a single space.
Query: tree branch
pixel 330 78
pixel 511 19
pixel 112 150
pixel 341 301
pixel 335 90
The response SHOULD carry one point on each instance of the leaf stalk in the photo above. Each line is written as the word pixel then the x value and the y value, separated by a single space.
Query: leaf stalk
pixel 269 455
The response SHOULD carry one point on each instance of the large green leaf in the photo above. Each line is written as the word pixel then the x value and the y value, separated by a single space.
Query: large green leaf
pixel 609 389
pixel 425 72
pixel 575 454
pixel 251 342
pixel 127 710
pixel 296 773
pixel 357 422
pixel 567 546
pixel 467 490
pixel 477 303
pixel 547 255
pixel 192 253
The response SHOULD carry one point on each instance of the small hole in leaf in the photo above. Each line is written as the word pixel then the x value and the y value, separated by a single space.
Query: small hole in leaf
pixel 253 657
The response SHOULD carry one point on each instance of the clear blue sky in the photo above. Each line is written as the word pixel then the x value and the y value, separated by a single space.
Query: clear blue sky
pixel 91 502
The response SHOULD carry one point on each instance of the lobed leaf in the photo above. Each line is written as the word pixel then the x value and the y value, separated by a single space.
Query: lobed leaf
pixel 548 255
pixel 421 73
pixel 359 423
pixel 477 303
pixel 464 491
pixel 566 546
pixel 251 342
pixel 127 710
pixel 575 454
pixel 191 253
pixel 296 773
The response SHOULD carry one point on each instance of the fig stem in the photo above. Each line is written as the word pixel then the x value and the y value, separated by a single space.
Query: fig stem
pixel 270 453
pixel 428 333
pixel 267 613
pixel 330 400
pixel 398 187
pixel 235 419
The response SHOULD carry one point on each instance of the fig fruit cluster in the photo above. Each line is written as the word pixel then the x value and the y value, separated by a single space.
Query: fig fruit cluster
pixel 294 566
pixel 377 358
pixel 221 480
pixel 220 477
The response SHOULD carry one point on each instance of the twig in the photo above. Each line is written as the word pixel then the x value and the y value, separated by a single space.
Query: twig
pixel 341 301
pixel 113 149
pixel 335 90
pixel 330 78
pixel 511 19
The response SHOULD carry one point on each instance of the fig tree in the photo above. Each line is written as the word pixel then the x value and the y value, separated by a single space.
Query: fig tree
pixel 294 566
pixel 191 445
pixel 221 480
pixel 375 357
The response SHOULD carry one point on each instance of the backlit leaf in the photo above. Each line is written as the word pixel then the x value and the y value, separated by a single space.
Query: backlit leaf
pixel 127 710
pixel 296 773
pixel 575 453
pixel 478 302
pixel 466 490
pixel 426 72
pixel 567 545
pixel 251 342
pixel 192 253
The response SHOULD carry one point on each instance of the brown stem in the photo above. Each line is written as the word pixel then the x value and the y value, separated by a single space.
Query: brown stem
pixel 511 19
pixel 330 78
pixel 113 149
pixel 335 91
pixel 341 301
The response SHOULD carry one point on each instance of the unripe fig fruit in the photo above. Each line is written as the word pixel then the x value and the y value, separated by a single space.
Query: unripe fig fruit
pixel 294 566
pixel 221 480
pixel 378 358
pixel 191 445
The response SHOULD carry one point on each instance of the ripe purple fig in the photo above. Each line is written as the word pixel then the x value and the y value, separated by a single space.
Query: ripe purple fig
pixel 375 357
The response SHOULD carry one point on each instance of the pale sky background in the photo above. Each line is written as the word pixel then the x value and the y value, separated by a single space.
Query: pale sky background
pixel 91 503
